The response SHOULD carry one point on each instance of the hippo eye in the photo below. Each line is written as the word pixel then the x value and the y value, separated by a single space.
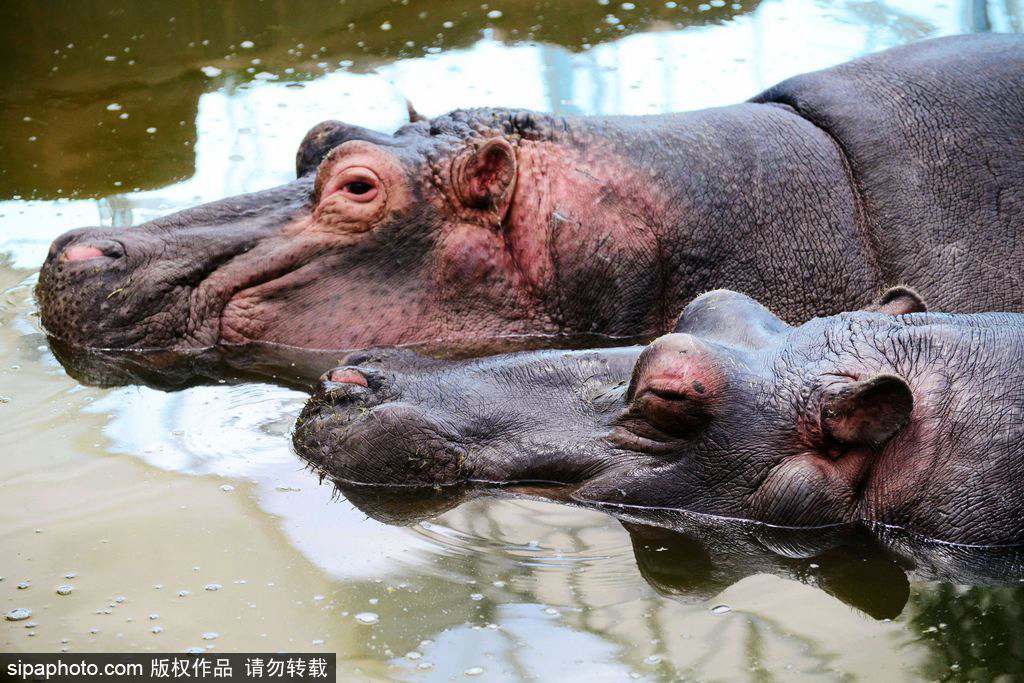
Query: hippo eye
pixel 358 187
pixel 356 184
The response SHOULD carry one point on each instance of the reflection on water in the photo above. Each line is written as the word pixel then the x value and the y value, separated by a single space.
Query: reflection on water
pixel 116 113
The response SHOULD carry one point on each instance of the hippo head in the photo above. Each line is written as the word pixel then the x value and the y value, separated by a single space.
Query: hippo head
pixel 439 233
pixel 734 414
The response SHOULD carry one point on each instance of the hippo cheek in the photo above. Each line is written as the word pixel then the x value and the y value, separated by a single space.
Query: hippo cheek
pixel 809 490
pixel 472 264
pixel 313 308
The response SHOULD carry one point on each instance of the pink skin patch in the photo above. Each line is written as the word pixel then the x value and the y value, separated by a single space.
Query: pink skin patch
pixel 81 253
pixel 347 376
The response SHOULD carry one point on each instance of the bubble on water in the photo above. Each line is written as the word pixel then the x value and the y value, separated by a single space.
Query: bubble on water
pixel 550 610
pixel 158 586
pixel 627 6
pixel 247 45
pixel 476 596
pixel 473 671
pixel 413 655
pixel 212 587
pixel 498 584
pixel 210 71
pixel 151 130
pixel 154 616
pixel 65 589
pixel 195 650
pixel 386 26
pixel 182 593
pixel 70 575
pixel 425 666
pixel 448 24
pixel 318 641
pixel 373 601
pixel 653 659
pixel 210 635
pixel 113 106
pixel 119 599
pixel 367 618
pixel 157 629
pixel 18 614
pixel 94 631
pixel 110 58
pixel 23 585
pixel 494 14
pixel 227 488
pixel 721 609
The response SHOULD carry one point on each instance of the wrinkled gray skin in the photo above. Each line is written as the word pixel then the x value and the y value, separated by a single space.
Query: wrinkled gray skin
pixel 488 229
pixel 910 420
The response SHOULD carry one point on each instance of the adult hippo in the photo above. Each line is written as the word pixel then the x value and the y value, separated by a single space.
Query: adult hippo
pixel 502 228
pixel 910 420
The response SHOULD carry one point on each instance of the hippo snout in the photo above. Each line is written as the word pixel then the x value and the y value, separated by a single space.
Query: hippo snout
pixel 358 429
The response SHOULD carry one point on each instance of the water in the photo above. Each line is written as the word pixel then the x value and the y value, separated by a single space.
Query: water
pixel 140 499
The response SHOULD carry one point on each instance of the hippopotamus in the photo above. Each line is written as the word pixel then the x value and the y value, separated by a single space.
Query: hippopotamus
pixel 891 416
pixel 496 229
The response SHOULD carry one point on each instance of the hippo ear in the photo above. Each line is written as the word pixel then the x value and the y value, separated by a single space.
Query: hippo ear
pixel 868 412
pixel 484 176
pixel 897 301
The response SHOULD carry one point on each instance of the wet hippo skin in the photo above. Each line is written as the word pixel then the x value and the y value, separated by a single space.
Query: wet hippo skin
pixel 495 228
pixel 890 416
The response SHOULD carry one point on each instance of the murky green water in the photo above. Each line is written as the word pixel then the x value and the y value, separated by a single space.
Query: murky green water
pixel 185 520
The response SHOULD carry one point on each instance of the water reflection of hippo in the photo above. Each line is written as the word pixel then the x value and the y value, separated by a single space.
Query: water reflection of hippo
pixel 910 420
pixel 693 557
pixel 902 167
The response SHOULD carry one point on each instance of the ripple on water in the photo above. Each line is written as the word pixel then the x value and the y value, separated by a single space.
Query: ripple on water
pixel 523 541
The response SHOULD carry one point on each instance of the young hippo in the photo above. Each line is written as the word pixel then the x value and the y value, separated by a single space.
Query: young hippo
pixel 890 415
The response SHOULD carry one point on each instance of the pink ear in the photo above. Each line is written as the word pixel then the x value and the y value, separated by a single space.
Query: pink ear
pixel 485 175
pixel 868 412
pixel 898 300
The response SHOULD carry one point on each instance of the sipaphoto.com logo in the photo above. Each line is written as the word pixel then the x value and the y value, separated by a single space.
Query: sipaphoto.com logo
pixel 162 667
pixel 72 669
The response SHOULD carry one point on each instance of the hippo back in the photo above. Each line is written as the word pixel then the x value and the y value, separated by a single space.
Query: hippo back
pixel 933 134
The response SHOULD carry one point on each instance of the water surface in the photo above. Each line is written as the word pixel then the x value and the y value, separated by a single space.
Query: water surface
pixel 190 505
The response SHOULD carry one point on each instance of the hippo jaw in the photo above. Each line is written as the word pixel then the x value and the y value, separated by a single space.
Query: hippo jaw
pixel 413 422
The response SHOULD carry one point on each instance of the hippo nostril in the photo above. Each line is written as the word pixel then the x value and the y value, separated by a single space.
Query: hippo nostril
pixel 81 253
pixel 347 376
pixel 92 250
